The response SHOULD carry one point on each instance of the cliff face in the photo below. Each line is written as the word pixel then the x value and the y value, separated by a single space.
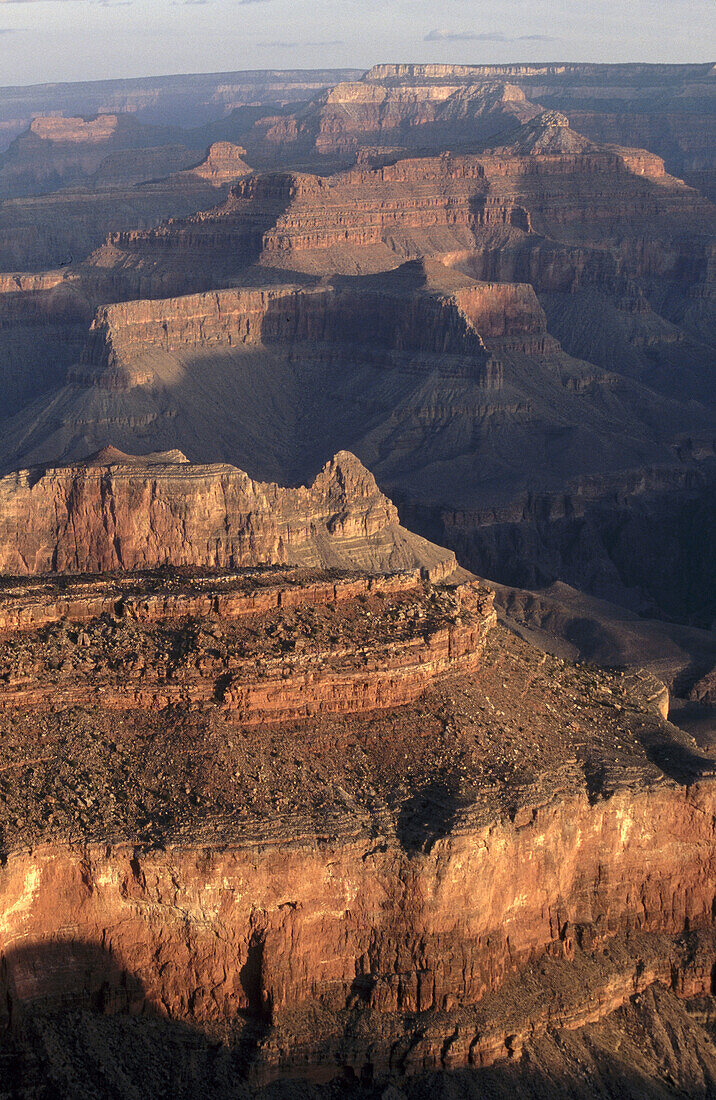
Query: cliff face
pixel 380 643
pixel 357 931
pixel 116 512
pixel 639 538
pixel 452 389
pixel 125 338
pixel 355 114
pixel 369 219
pixel 368 891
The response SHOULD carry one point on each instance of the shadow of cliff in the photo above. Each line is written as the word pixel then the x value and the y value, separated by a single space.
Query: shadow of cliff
pixel 427 815
pixel 677 756
pixel 77 1025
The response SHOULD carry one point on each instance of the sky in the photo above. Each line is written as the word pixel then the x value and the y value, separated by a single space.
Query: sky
pixel 57 40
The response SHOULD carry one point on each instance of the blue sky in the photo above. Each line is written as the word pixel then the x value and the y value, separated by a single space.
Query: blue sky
pixel 48 40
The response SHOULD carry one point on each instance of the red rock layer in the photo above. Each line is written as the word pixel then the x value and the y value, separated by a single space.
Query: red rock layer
pixel 269 927
pixel 24 608
pixel 412 642
pixel 116 512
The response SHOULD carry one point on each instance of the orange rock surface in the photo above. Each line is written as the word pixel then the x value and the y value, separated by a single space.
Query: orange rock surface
pixel 120 512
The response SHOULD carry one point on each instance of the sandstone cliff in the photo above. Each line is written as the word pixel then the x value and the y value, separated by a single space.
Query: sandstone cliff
pixel 597 204
pixel 378 642
pixel 521 851
pixel 119 512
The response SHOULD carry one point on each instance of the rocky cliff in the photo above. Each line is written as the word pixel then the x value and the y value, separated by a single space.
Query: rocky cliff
pixel 351 115
pixel 125 339
pixel 377 643
pixel 547 183
pixel 120 512
pixel 223 163
pixel 522 850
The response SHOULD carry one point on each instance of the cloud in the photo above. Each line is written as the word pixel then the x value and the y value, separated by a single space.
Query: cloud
pixel 490 36
pixel 126 3
pixel 282 45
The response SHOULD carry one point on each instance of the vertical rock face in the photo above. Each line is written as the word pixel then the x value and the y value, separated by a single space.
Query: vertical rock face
pixel 355 114
pixel 417 933
pixel 124 338
pixel 339 817
pixel 392 926
pixel 223 163
pixel 120 512
pixel 548 182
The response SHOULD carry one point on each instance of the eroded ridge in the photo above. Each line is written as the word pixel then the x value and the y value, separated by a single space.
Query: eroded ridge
pixel 125 512
pixel 284 648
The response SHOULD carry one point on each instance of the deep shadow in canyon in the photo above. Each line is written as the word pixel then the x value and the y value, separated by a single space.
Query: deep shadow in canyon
pixel 76 1025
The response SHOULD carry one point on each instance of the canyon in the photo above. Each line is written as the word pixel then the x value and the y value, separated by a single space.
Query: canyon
pixel 294 801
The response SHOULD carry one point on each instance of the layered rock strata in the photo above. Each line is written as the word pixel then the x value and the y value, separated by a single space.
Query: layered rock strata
pixel 119 512
pixel 375 643
pixel 546 183
pixel 124 338
pixel 525 848
pixel 359 113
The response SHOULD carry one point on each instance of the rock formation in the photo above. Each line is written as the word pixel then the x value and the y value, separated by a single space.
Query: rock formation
pixel 223 163
pixel 369 891
pixel 58 152
pixel 361 113
pixel 118 512
pixel 279 795
pixel 668 109
pixel 452 389
pixel 549 208
pixel 384 656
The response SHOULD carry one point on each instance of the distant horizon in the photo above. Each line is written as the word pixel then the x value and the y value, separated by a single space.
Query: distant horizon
pixel 282 69
pixel 78 41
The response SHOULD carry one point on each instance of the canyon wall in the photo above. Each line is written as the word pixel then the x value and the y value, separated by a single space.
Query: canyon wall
pixel 123 336
pixel 368 220
pixel 640 539
pixel 414 638
pixel 117 512
pixel 344 924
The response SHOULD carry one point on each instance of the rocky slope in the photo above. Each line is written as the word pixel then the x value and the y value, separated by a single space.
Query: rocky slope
pixel 118 512
pixel 523 853
pixel 453 390
pixel 506 201
pixel 295 649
